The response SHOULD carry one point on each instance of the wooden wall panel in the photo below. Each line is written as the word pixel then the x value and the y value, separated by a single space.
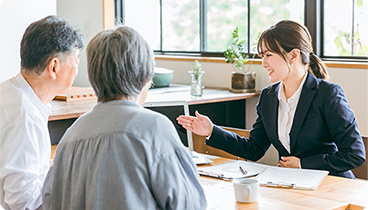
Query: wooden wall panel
pixel 108 14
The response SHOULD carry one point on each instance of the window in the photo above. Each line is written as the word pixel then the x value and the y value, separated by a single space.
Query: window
pixel 203 27
pixel 345 28
pixel 180 21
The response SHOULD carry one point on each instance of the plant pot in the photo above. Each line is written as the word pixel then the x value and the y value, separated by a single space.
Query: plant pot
pixel 243 82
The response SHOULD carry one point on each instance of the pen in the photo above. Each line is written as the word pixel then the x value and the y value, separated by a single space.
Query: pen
pixel 213 175
pixel 242 170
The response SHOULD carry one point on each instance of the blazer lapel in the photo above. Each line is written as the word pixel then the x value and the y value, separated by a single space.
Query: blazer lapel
pixel 305 100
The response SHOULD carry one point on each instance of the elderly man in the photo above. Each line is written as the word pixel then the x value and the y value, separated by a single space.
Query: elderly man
pixel 49 63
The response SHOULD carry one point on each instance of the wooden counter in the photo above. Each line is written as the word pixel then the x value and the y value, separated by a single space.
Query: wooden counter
pixel 73 109
pixel 222 106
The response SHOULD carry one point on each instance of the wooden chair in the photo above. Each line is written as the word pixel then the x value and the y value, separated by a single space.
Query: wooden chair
pixel 53 149
pixel 362 171
pixel 199 146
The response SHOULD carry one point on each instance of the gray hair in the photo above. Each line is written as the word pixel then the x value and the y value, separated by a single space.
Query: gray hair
pixel 120 63
pixel 45 39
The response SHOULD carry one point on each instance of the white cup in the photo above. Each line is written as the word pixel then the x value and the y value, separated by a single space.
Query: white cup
pixel 246 190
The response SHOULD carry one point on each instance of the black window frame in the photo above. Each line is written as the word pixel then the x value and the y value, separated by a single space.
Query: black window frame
pixel 313 20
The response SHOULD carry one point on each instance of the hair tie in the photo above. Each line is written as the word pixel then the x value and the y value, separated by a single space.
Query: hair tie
pixel 311 58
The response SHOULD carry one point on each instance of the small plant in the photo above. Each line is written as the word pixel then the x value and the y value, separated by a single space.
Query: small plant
pixel 196 84
pixel 197 68
pixel 235 52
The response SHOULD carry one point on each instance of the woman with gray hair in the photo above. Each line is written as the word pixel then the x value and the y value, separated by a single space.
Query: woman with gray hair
pixel 121 155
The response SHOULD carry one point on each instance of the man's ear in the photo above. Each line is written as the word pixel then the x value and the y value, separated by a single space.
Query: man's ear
pixel 294 54
pixel 52 67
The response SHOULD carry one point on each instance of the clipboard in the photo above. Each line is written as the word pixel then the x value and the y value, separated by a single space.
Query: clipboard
pixel 230 170
pixel 292 178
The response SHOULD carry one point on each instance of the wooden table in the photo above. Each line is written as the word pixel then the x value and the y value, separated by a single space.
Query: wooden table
pixel 73 109
pixel 333 193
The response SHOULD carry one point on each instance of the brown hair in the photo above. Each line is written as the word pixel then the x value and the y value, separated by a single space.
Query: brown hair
pixel 289 35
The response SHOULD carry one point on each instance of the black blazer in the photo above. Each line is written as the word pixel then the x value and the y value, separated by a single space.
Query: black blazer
pixel 324 134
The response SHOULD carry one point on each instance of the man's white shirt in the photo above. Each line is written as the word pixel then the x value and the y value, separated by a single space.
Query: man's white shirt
pixel 25 146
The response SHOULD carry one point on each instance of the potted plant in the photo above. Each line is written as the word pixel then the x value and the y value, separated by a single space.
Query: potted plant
pixel 196 84
pixel 242 80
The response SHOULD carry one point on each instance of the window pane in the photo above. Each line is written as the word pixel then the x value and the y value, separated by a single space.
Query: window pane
pixel 222 18
pixel 338 28
pixel 361 28
pixel 180 22
pixel 268 12
pixel 144 16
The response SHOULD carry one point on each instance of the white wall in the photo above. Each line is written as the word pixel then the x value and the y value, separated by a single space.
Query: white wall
pixel 353 81
pixel 88 14
pixel 355 85
pixel 15 16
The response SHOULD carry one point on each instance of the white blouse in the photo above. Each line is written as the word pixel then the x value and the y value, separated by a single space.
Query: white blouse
pixel 286 113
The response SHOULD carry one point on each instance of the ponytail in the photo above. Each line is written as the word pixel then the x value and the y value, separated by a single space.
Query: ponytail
pixel 287 35
pixel 317 67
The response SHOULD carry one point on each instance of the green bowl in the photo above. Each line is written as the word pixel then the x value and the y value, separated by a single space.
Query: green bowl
pixel 162 77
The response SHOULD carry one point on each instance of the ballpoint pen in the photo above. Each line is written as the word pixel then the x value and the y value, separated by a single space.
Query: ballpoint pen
pixel 213 175
pixel 242 170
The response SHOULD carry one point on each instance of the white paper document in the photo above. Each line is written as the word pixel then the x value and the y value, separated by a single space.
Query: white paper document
pixel 231 170
pixel 200 159
pixel 292 178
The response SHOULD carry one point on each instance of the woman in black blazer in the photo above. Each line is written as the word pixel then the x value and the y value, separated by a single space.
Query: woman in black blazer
pixel 305 117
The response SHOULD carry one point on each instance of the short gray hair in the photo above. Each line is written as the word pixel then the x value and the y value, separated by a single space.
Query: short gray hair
pixel 120 63
pixel 45 39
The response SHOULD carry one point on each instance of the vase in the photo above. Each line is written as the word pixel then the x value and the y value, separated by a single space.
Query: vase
pixel 196 89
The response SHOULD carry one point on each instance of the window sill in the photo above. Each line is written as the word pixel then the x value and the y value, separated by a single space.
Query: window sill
pixel 330 64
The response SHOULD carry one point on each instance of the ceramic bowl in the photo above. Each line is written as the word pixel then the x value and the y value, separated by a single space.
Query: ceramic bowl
pixel 162 77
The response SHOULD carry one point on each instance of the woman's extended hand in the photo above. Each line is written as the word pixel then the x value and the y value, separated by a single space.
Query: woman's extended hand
pixel 200 125
pixel 290 162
